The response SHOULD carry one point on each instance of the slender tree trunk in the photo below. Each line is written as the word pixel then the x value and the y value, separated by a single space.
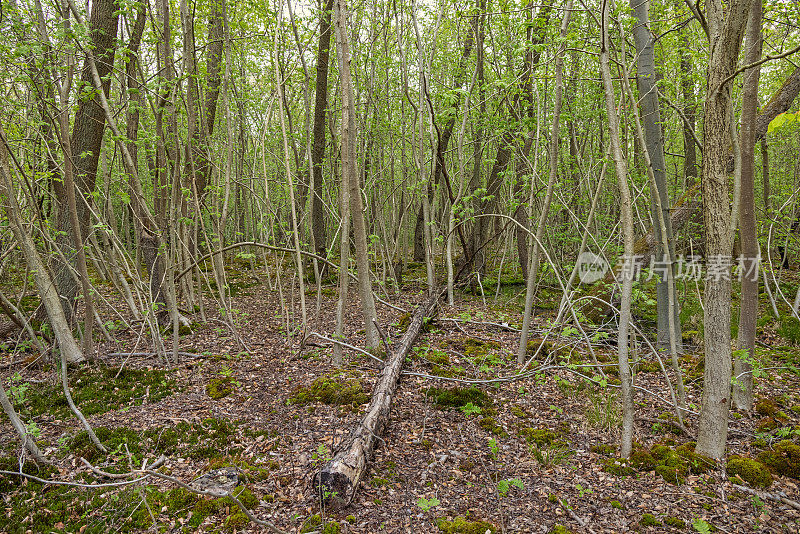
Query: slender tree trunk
pixel 86 141
pixel 533 269
pixel 748 311
pixel 318 150
pixel 689 110
pixel 350 177
pixel 44 283
pixel 669 330
pixel 765 177
pixel 626 210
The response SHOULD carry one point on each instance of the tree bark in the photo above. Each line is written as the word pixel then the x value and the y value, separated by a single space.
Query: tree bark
pixel 86 141
pixel 626 440
pixel 318 149
pixel 350 177
pixel 337 482
pixel 726 28
pixel 748 311
pixel 651 119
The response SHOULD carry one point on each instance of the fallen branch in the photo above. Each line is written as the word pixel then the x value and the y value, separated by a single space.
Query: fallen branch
pixel 767 496
pixel 337 482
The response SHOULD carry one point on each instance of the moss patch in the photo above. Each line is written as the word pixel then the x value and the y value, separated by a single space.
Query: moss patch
pixel 206 439
pixel 751 471
pixel 460 525
pixel 766 407
pixel 331 389
pixel 98 389
pixel 489 424
pixel 783 459
pixel 219 388
pixel 458 397
pixel 649 520
pixel 315 523
pixel 672 464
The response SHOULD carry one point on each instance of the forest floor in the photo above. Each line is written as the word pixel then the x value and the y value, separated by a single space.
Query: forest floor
pixel 535 454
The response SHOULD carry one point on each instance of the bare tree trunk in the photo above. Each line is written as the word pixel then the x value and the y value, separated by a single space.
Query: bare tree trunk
pixel 726 28
pixel 85 144
pixel 669 328
pixel 748 311
pixel 626 441
pixel 318 151
pixel 338 481
pixel 765 176
pixel 350 176
pixel 689 110
pixel 533 269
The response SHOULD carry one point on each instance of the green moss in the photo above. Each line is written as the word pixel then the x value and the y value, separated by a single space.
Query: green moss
pixel 460 525
pixel 519 412
pixel 617 505
pixel 311 524
pixel 535 344
pixel 675 522
pixel 541 437
pixel 478 348
pixel 766 407
pixel 618 467
pixel 649 520
pixel 642 460
pixel 98 389
pixel 605 450
pixel 458 397
pixel 334 390
pixel 236 521
pixel 783 459
pixel 751 471
pixel 766 424
pixel 350 519
pixel 559 529
pixel 552 498
pixel 648 367
pixel 432 355
pixel 219 388
pixel 490 425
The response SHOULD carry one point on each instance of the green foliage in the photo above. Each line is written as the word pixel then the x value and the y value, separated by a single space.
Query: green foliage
pixel 701 526
pixel 675 522
pixel 427 504
pixel 505 485
pixel 751 471
pixel 789 328
pixel 315 523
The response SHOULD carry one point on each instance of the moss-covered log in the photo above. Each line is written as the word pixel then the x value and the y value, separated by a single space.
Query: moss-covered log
pixel 337 482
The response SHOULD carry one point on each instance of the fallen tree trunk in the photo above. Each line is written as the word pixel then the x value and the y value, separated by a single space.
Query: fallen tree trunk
pixel 337 482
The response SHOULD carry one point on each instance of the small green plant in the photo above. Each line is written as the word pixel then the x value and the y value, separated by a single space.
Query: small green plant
pixel 583 491
pixel 18 389
pixel 505 485
pixel 494 448
pixel 470 409
pixel 427 504
pixel 701 526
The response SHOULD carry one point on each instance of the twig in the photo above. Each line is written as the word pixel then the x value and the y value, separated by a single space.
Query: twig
pixel 347 345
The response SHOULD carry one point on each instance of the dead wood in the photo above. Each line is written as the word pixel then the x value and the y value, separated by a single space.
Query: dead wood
pixel 337 482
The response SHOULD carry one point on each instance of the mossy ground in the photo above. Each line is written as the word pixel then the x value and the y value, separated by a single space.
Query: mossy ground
pixel 461 525
pixel 783 459
pixel 751 471
pixel 336 389
pixel 200 440
pixel 98 389
pixel 673 464
pixel 458 397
